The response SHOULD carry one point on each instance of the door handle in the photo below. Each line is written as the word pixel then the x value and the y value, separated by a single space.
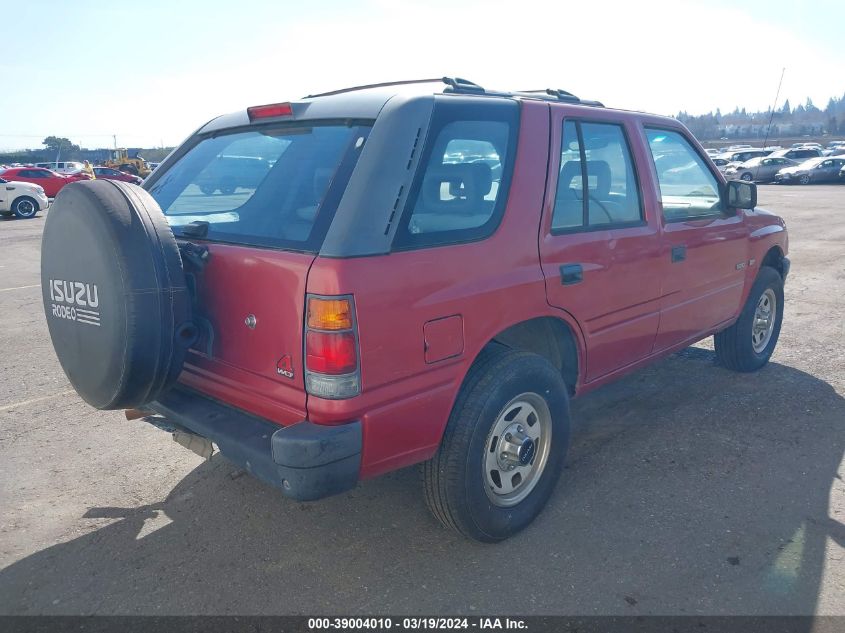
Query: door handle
pixel 679 253
pixel 571 274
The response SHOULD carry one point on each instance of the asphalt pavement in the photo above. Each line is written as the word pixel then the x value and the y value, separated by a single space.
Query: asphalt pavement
pixel 689 489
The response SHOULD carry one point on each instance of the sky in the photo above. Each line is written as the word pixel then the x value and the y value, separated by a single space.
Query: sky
pixel 151 72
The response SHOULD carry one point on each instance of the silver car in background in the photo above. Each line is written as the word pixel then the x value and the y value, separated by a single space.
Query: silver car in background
pixel 760 169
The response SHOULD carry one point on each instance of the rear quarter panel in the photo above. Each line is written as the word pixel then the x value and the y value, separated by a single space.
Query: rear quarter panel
pixel 492 284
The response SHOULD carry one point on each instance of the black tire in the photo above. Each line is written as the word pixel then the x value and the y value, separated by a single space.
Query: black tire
pixel 804 179
pixel 25 208
pixel 454 479
pixel 228 187
pixel 747 177
pixel 734 345
pixel 114 293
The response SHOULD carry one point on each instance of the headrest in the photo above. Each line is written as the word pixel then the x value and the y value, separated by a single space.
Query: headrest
pixel 601 171
pixel 596 169
pixel 465 184
pixel 322 178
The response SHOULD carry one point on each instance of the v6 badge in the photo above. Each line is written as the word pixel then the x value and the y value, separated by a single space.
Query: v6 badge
pixel 285 367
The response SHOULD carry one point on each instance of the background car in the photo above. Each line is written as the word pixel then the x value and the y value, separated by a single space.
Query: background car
pixel 760 169
pixel 721 163
pixel 797 153
pixel 113 174
pixel 813 170
pixel 50 181
pixel 740 156
pixel 21 199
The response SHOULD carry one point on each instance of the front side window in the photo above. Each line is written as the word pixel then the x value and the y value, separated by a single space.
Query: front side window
pixel 689 190
pixel 275 187
pixel 460 190
pixel 597 186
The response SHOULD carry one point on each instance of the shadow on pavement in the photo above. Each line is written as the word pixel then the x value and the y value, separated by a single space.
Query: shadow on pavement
pixel 689 490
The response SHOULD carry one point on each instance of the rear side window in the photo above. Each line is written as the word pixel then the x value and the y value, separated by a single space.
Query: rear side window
pixel 275 187
pixel 596 161
pixel 460 190
pixel 688 188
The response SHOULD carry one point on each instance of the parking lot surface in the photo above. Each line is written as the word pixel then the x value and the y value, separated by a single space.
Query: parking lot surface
pixel 689 489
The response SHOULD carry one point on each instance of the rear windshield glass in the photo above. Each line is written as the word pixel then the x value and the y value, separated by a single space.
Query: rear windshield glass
pixel 274 187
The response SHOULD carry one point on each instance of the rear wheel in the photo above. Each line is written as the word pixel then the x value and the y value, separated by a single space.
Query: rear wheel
pixel 748 344
pixel 24 208
pixel 503 448
pixel 228 187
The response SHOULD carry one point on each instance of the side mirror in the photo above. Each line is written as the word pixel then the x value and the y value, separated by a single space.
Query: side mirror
pixel 741 194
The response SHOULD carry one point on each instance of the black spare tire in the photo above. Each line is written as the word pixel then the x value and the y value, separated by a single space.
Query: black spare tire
pixel 114 291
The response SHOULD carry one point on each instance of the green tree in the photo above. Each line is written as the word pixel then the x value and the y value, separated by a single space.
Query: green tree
pixel 59 145
pixel 786 109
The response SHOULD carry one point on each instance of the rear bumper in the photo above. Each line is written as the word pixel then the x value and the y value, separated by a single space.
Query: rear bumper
pixel 305 461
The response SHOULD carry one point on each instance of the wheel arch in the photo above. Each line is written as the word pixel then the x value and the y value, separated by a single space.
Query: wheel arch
pixel 550 337
pixel 774 258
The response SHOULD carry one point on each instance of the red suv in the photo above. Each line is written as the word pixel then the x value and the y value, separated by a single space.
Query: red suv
pixel 407 273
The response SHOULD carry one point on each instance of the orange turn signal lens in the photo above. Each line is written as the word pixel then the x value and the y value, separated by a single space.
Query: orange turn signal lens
pixel 329 314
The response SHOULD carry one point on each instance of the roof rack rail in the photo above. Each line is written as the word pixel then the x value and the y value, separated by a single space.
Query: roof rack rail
pixel 460 85
pixel 380 85
pixel 561 95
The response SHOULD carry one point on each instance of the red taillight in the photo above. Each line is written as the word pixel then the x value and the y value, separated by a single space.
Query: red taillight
pixel 330 353
pixel 269 111
pixel 332 369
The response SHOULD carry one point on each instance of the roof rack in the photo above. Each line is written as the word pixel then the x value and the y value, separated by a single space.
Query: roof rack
pixel 560 95
pixel 381 85
pixel 460 85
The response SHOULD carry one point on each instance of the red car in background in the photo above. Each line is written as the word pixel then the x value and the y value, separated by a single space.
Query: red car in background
pixel 50 181
pixel 113 174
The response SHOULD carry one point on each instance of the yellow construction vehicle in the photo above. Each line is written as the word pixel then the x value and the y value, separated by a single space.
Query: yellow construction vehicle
pixel 119 159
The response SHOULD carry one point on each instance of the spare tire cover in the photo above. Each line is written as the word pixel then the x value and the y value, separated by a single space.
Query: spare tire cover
pixel 114 293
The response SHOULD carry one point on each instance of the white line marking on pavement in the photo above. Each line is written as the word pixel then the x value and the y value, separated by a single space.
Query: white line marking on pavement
pixel 19 288
pixel 23 403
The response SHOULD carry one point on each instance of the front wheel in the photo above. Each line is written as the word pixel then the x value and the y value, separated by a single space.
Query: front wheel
pixel 804 179
pixel 503 448
pixel 747 177
pixel 748 344
pixel 25 208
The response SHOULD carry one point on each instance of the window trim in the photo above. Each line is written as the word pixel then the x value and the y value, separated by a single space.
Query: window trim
pixel 499 111
pixel 720 186
pixel 585 226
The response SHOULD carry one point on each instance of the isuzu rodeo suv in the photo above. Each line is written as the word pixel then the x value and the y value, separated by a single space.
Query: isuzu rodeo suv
pixel 413 272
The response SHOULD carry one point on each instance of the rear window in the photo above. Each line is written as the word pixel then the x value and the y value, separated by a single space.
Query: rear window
pixel 276 187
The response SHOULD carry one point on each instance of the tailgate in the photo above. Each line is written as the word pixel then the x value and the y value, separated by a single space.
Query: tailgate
pixel 250 307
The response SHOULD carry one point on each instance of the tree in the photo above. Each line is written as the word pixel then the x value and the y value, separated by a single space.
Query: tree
pixel 59 145
pixel 786 109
